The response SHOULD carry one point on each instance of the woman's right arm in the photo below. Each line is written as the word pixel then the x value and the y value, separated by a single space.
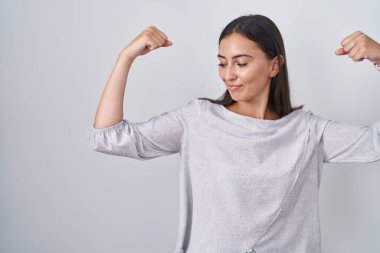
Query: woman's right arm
pixel 110 107
pixel 157 136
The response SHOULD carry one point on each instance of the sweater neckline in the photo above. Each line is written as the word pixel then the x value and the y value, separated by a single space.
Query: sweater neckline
pixel 247 119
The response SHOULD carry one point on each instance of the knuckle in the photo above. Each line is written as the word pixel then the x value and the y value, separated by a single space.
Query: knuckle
pixel 149 28
pixel 345 42
pixel 362 36
pixel 146 35
pixel 361 43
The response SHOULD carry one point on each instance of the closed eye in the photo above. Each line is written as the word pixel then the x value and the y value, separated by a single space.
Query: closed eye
pixel 240 65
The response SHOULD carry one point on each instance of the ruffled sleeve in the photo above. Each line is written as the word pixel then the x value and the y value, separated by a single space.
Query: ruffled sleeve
pixel 341 142
pixel 158 136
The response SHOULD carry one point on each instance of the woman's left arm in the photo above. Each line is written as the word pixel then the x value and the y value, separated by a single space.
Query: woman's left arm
pixel 359 46
pixel 340 142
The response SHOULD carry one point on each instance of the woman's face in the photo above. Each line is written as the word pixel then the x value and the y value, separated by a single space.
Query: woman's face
pixel 244 64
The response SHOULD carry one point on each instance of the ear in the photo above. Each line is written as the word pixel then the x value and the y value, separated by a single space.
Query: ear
pixel 276 64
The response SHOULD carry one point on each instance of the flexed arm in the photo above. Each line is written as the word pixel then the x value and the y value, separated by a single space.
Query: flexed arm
pixel 157 136
pixel 359 46
pixel 341 142
pixel 110 108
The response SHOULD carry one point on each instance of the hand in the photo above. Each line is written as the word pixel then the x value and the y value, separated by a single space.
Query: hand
pixel 360 46
pixel 148 40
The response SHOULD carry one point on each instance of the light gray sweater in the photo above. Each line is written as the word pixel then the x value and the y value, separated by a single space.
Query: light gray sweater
pixel 246 184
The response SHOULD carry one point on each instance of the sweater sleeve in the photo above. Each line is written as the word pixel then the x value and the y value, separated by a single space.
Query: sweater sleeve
pixel 340 142
pixel 160 135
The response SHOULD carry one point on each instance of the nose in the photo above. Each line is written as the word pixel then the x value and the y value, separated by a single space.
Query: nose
pixel 230 73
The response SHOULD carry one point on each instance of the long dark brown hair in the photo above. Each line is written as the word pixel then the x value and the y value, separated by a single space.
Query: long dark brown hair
pixel 265 33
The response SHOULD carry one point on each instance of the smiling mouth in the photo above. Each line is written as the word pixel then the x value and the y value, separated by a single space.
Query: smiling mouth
pixel 233 87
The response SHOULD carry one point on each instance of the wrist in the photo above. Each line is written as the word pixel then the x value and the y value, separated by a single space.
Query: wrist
pixel 126 56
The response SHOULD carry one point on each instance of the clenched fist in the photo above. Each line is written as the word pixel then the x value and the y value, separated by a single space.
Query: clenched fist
pixel 360 46
pixel 148 40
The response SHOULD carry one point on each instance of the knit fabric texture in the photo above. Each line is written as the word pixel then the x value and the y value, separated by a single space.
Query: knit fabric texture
pixel 246 184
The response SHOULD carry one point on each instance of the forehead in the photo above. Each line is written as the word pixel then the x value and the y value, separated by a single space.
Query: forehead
pixel 237 43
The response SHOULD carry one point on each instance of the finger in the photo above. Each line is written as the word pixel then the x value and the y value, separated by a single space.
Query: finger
pixel 359 55
pixel 155 36
pixel 160 36
pixel 351 37
pixel 349 46
pixel 161 33
pixel 156 41
pixel 159 39
pixel 353 52
pixel 152 43
pixel 340 51
pixel 168 43
pixel 165 41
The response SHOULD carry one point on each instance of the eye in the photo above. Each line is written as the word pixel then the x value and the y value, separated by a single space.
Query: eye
pixel 240 65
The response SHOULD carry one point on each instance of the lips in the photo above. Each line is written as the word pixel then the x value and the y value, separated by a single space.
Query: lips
pixel 233 87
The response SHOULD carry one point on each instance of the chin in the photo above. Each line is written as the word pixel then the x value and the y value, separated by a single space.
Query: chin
pixel 236 98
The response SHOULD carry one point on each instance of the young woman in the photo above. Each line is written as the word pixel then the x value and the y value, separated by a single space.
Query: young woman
pixel 251 163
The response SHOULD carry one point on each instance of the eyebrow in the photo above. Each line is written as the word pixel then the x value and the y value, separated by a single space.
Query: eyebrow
pixel 235 56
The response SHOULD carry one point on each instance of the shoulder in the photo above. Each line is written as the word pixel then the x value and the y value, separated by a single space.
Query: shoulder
pixel 192 105
pixel 190 110
pixel 315 122
pixel 314 118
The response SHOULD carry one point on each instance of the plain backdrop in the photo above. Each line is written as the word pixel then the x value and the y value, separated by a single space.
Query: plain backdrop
pixel 58 195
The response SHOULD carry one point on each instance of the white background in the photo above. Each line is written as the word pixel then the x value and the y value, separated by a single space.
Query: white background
pixel 57 195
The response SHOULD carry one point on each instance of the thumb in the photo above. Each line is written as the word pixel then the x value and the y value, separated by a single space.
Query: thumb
pixel 340 51
pixel 168 43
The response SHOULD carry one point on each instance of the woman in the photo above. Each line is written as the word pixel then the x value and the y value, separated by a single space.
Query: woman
pixel 251 163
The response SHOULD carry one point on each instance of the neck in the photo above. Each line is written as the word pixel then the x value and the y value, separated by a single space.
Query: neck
pixel 247 109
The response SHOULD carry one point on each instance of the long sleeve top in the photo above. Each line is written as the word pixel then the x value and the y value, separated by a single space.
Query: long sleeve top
pixel 246 184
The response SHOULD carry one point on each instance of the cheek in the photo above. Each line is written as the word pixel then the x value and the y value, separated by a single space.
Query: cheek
pixel 222 74
pixel 248 74
pixel 253 73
